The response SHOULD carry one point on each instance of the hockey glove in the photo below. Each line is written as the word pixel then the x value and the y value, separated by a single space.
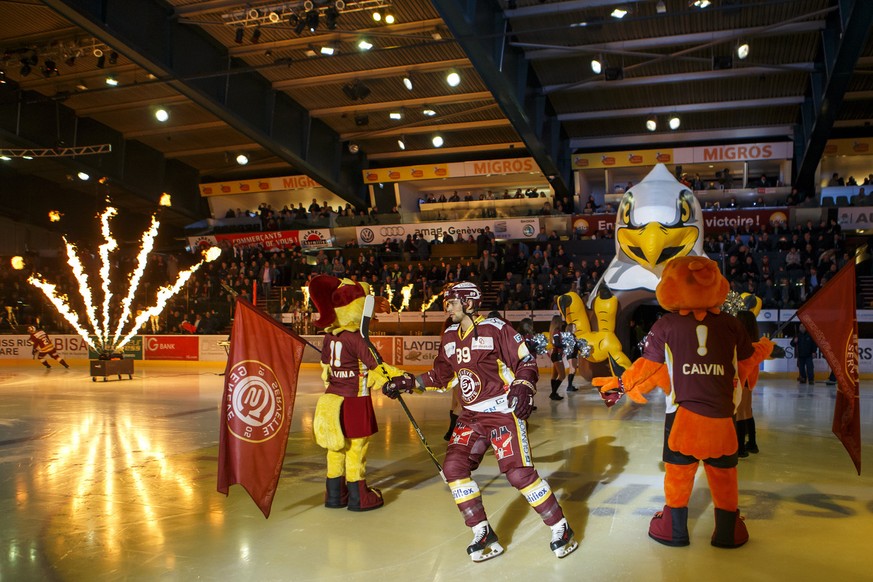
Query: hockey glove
pixel 521 398
pixel 394 387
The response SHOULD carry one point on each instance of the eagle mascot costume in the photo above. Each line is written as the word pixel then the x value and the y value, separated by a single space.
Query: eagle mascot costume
pixel 344 416
pixel 701 358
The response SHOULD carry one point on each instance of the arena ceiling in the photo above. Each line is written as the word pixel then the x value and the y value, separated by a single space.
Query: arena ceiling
pixel 254 78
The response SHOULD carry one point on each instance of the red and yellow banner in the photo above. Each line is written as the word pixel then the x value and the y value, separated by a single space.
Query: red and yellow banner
pixel 622 159
pixel 849 147
pixel 258 185
pixel 406 173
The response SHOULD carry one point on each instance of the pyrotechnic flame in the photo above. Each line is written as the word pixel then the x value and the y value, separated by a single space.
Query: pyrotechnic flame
pixel 389 292
pixel 148 243
pixel 84 290
pixel 406 293
pixel 17 262
pixel 305 290
pixel 105 249
pixel 54 215
pixel 425 306
pixel 164 295
pixel 165 200
pixel 62 306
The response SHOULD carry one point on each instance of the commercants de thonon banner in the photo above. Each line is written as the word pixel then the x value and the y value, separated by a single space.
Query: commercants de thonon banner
pixel 513 228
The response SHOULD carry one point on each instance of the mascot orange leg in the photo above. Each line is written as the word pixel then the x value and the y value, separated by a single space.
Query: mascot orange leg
pixel 730 530
pixel 670 526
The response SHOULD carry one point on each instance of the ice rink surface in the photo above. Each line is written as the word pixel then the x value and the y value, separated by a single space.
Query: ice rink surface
pixel 116 480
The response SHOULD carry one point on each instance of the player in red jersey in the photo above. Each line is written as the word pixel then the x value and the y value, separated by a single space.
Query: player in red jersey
pixel 44 346
pixel 496 375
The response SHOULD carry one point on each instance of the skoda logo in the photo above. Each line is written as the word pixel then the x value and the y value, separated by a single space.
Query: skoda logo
pixel 367 235
pixel 528 230
pixel 392 231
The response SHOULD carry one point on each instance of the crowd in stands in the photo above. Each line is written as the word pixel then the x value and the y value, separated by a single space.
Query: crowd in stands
pixel 782 266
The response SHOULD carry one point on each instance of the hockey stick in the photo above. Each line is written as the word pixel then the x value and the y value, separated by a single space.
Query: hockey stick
pixel 369 304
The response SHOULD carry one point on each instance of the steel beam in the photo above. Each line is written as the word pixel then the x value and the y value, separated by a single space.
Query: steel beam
pixel 842 44
pixel 686 108
pixel 679 137
pixel 146 32
pixel 481 30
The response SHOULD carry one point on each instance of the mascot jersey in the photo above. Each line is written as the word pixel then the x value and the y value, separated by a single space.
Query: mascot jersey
pixel 701 357
pixel 483 363
pixel 347 361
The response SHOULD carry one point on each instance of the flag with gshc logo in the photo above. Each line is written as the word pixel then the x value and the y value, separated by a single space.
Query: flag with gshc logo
pixel 260 385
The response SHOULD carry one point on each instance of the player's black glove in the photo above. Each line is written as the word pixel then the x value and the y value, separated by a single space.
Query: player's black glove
pixel 521 398
pixel 395 386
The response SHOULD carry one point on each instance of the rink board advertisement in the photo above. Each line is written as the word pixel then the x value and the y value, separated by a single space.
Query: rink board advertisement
pixel 395 350
pixel 510 228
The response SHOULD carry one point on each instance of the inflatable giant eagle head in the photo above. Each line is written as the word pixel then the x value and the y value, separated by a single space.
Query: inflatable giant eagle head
pixel 658 219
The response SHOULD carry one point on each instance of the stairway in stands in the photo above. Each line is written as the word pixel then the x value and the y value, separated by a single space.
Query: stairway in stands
pixel 274 299
pixel 865 291
pixel 489 296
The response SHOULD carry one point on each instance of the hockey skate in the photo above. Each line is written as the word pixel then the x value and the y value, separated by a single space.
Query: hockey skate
pixel 562 542
pixel 485 545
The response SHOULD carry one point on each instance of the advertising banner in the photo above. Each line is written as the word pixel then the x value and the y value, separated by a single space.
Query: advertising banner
pixel 510 228
pixel 416 350
pixel 279 239
pixel 849 147
pixel 258 185
pixel 860 218
pixel 407 173
pixel 171 347
pixel 507 166
pixel 714 221
pixel 622 159
pixel 734 153
pixel 210 348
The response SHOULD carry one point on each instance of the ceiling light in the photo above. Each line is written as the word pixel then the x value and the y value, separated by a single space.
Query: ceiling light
pixel 407 82
pixel 296 23
pixel 330 17
pixel 377 16
pixel 652 123
pixel 396 115
pixel 81 86
pixel 661 7
pixel 97 53
pixel 327 50
pixel 162 115
pixel 354 148
pixel 111 80
pixel 242 159
pixel 428 112
pixel 674 122
pixel 701 3
pixel 743 51
pixel 364 44
pixel 2 76
pixel 453 78
pixel 389 19
pixel 401 142
pixel 312 20
pixel 437 141
pixel 619 13
pixel 596 66
pixel 83 176
pixel 273 17
pixel 27 157
pixel 5 158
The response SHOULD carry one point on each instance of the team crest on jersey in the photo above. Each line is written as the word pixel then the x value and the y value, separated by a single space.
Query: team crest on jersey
pixel 449 349
pixel 483 343
pixel 501 440
pixel 470 385
pixel 462 434
pixel 254 407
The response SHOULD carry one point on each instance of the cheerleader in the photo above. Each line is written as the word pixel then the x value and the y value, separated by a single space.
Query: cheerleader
pixel 557 356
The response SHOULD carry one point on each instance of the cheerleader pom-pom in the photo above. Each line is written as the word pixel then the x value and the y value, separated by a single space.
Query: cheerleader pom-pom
pixel 568 341
pixel 583 347
pixel 538 344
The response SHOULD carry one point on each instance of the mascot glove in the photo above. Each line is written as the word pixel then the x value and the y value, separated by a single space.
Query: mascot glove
pixel 521 399
pixel 393 388
pixel 611 389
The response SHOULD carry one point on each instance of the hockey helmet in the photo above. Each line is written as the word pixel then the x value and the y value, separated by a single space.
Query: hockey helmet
pixel 31 329
pixel 464 291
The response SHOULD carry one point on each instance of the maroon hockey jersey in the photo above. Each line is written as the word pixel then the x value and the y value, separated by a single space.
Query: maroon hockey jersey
pixel 349 360
pixel 482 363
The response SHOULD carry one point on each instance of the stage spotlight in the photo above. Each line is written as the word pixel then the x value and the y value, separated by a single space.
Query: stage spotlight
pixel 242 159
pixel 49 69
pixel 330 17
pixel 437 141
pixel 364 44
pixel 256 35
pixel 113 57
pixel 354 148
pixel 407 81
pixel 162 115
pixel 401 143
pixel 112 80
pixel 674 122
pixel 312 20
pixel 362 120
pixel 596 66
pixel 453 78
pixel 652 123
pixel 743 51
pixel 101 61
pixel 238 34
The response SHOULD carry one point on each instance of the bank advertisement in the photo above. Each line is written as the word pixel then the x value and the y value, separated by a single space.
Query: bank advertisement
pixel 171 347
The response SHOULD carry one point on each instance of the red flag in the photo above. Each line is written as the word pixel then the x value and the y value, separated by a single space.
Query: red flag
pixel 830 318
pixel 260 384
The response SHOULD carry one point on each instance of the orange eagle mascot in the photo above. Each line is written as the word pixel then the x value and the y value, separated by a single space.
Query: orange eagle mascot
pixel 701 358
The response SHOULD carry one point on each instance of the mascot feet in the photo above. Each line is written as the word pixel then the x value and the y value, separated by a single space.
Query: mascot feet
pixel 730 529
pixel 363 498
pixel 337 494
pixel 670 526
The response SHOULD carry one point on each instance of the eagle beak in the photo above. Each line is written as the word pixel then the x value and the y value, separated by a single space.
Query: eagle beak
pixel 655 244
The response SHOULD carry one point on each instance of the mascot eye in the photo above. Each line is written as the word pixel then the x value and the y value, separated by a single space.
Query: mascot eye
pixel 684 211
pixel 625 211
